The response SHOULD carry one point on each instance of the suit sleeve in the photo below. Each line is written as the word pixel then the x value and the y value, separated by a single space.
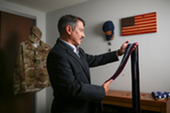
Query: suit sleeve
pixel 97 60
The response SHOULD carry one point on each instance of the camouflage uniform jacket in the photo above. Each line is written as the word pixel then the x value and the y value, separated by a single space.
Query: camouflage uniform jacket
pixel 30 73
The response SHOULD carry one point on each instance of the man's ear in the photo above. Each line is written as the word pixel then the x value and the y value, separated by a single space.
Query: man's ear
pixel 69 29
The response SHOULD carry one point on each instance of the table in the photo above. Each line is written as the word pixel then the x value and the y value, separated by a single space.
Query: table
pixel 124 99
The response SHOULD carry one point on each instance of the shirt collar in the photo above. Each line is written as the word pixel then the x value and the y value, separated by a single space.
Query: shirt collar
pixel 72 46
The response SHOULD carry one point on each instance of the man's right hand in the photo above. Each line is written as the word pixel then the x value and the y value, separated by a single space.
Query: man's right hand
pixel 106 85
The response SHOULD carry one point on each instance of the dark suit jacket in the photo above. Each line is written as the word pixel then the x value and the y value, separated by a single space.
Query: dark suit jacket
pixel 70 79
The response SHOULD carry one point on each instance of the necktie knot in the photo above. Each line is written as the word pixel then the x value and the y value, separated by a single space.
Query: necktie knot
pixel 77 51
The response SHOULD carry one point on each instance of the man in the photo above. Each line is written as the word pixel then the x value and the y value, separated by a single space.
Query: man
pixel 69 71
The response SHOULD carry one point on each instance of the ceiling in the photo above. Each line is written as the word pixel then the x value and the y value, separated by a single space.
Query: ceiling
pixel 46 5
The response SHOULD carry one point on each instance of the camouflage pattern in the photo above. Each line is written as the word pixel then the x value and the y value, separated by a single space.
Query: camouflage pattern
pixel 30 73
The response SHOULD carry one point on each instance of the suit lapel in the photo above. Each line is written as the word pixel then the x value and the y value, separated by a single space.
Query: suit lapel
pixel 81 60
pixel 85 65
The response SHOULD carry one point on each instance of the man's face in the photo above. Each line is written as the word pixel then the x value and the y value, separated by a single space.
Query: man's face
pixel 77 34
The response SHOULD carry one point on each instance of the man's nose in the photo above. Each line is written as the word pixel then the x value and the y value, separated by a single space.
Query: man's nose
pixel 83 35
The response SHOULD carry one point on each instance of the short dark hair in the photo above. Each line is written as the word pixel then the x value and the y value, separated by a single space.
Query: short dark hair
pixel 68 20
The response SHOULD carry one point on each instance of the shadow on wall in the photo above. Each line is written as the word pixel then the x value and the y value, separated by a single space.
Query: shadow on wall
pixel 7 60
pixel 98 31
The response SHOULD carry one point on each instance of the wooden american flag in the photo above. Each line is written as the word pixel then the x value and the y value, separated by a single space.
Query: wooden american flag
pixel 140 24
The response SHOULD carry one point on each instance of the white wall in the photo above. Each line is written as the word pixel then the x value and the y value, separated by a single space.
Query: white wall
pixel 41 23
pixel 154 48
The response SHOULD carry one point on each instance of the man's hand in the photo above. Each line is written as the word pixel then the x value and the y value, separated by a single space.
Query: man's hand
pixel 106 85
pixel 122 49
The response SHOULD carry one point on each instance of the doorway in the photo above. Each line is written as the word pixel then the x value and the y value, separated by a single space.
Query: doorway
pixel 13 30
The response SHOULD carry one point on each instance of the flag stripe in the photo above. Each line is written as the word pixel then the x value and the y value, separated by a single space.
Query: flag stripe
pixel 141 32
pixel 142 26
pixel 145 23
pixel 134 28
pixel 139 29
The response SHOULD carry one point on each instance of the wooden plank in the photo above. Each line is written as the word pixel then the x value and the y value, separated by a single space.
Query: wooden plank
pixel 124 99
